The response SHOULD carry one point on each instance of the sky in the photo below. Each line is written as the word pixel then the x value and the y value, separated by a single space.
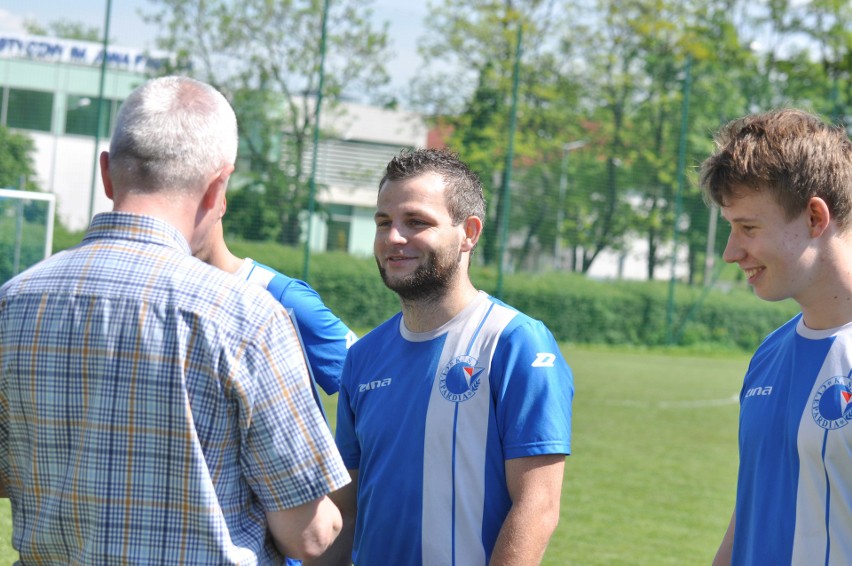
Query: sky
pixel 129 30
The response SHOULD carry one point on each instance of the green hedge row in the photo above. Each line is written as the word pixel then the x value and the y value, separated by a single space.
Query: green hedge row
pixel 583 311
pixel 576 309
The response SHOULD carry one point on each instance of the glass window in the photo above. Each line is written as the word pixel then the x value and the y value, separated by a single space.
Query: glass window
pixel 81 116
pixel 339 225
pixel 29 110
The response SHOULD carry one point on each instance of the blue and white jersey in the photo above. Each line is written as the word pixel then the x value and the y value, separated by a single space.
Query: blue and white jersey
pixel 428 419
pixel 794 491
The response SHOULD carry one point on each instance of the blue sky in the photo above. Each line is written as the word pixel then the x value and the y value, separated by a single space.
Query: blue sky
pixel 129 30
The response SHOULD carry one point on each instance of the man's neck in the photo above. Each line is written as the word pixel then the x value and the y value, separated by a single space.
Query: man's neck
pixel 829 311
pixel 429 314
pixel 169 208
pixel 827 303
pixel 221 257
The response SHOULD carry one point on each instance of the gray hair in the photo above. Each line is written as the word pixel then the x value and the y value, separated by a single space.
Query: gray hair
pixel 172 133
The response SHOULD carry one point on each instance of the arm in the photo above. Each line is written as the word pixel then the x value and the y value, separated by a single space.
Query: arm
pixel 287 451
pixel 305 531
pixel 3 493
pixel 340 553
pixel 723 555
pixel 325 338
pixel 535 487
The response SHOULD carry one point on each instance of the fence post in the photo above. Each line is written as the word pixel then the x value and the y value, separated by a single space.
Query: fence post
pixel 313 181
pixel 507 169
pixel 681 166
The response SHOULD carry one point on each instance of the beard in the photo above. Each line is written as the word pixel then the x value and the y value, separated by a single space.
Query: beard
pixel 429 281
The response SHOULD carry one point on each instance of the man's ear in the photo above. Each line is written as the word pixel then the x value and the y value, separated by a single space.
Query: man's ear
pixel 107 180
pixel 214 193
pixel 472 231
pixel 818 216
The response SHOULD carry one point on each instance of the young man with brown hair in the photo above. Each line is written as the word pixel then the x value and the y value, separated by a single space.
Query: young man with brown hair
pixel 783 180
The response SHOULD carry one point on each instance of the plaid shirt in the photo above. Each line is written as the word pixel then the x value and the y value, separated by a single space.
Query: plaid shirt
pixel 152 407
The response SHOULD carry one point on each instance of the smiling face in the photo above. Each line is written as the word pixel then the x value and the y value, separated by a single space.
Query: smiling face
pixel 418 249
pixel 776 253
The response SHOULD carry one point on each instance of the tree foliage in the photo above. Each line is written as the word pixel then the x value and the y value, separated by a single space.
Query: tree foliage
pixel 617 74
pixel 480 37
pixel 265 55
pixel 17 169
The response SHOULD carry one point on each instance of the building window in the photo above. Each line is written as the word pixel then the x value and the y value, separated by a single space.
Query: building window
pixel 29 109
pixel 339 225
pixel 350 163
pixel 81 116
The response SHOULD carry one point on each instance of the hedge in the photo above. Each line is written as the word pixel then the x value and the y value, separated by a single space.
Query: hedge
pixel 575 308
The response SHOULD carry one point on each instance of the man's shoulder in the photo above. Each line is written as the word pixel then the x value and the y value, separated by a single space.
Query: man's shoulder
pixel 517 322
pixel 780 336
pixel 273 273
pixel 217 296
pixel 56 272
pixel 258 269
pixel 242 294
pixel 378 337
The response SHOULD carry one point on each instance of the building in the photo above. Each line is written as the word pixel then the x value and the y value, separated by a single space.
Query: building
pixel 349 165
pixel 50 88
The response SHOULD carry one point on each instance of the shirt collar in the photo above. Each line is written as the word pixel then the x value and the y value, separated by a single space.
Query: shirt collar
pixel 135 227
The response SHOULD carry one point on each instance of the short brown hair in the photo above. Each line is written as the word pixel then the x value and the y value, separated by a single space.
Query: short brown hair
pixel 463 189
pixel 791 153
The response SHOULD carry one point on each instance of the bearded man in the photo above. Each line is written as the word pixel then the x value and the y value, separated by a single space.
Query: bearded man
pixel 454 416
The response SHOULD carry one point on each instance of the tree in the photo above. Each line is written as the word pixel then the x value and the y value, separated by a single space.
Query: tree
pixel 17 169
pixel 828 23
pixel 613 74
pixel 477 41
pixel 265 56
pixel 614 50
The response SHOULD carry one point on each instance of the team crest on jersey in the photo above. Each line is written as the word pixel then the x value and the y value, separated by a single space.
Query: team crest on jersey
pixel 831 406
pixel 460 379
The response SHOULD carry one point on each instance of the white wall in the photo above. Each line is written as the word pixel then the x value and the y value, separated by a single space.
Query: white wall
pixel 633 263
pixel 64 166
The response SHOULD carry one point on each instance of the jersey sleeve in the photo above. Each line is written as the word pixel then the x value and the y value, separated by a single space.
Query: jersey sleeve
pixel 326 338
pixel 347 441
pixel 534 390
pixel 288 454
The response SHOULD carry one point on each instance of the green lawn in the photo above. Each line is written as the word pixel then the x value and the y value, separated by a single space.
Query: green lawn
pixel 652 477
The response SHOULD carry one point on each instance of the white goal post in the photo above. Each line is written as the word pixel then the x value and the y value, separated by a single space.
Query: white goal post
pixel 14 226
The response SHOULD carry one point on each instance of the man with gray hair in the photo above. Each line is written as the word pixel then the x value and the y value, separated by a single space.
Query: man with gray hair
pixel 154 409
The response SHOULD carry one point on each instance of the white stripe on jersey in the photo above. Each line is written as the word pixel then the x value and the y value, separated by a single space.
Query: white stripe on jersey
pixel 824 457
pixel 455 446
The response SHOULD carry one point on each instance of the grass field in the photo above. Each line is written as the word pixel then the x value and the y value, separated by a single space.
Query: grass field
pixel 652 476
